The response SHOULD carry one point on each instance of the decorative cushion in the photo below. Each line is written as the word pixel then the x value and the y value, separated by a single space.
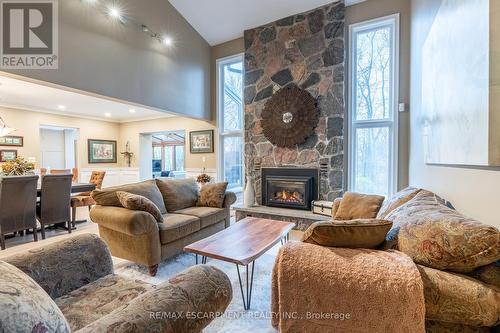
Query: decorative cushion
pixel 148 189
pixel 178 193
pixel 439 237
pixel 99 298
pixel 212 195
pixel 177 226
pixel 368 234
pixel 335 207
pixel 208 215
pixel 358 206
pixel 459 299
pixel 26 307
pixel 397 200
pixel 138 202
pixel 489 274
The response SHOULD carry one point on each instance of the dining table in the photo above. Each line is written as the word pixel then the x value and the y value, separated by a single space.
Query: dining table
pixel 75 188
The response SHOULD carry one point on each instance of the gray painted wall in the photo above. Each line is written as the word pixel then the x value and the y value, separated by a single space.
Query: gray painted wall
pixel 101 56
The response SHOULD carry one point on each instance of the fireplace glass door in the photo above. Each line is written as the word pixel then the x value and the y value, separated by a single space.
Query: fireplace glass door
pixel 289 192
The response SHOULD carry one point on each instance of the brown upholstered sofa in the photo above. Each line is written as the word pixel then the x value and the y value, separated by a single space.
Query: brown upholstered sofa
pixel 70 286
pixel 458 259
pixel 138 237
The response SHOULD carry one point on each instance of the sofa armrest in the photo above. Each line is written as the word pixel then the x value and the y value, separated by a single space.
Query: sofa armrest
pixel 64 266
pixel 229 199
pixel 130 222
pixel 186 303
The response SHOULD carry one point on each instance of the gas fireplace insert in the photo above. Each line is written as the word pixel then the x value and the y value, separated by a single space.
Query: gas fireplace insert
pixel 289 188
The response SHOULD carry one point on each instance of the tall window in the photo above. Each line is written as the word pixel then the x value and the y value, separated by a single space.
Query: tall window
pixel 373 101
pixel 230 120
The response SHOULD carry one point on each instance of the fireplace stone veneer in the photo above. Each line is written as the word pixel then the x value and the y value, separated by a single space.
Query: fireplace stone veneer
pixel 306 50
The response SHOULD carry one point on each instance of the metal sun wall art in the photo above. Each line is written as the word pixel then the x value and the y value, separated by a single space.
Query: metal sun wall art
pixel 290 116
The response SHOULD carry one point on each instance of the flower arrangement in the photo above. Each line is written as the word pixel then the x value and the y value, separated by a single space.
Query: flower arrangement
pixel 17 167
pixel 203 178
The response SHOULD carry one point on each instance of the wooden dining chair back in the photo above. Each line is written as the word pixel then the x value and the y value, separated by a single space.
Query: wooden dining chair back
pixel 17 205
pixel 60 172
pixel 55 199
pixel 84 199
pixel 75 175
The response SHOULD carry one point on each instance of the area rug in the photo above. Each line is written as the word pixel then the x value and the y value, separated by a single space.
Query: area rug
pixel 235 319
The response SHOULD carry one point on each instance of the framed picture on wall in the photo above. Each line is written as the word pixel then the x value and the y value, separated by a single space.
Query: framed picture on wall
pixel 8 155
pixel 201 142
pixel 14 141
pixel 102 151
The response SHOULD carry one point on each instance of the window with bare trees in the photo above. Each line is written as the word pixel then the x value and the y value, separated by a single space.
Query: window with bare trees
pixel 373 102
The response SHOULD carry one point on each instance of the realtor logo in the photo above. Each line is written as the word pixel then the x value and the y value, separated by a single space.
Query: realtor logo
pixel 29 34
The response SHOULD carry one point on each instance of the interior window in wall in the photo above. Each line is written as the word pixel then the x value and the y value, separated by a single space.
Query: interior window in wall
pixel 373 101
pixel 230 120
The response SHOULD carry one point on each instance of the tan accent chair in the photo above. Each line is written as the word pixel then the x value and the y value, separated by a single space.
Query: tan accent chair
pixel 136 236
pixel 84 199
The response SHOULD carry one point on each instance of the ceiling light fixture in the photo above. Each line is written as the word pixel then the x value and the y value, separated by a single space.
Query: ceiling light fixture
pixel 167 41
pixel 61 107
pixel 4 129
pixel 116 13
pixel 107 115
pixel 131 110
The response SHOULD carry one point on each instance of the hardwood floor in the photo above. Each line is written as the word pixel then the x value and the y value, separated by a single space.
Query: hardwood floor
pixel 25 243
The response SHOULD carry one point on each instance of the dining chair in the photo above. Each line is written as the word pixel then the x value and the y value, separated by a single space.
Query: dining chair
pixel 60 172
pixel 74 171
pixel 84 199
pixel 17 205
pixel 55 199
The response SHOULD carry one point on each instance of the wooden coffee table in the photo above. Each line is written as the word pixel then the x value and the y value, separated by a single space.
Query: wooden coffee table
pixel 242 244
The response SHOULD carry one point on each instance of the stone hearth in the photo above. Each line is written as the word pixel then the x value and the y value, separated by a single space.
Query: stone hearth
pixel 307 50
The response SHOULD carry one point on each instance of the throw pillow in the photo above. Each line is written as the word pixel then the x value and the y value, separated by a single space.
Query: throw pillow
pixel 358 206
pixel 489 274
pixel 362 233
pixel 436 236
pixel 396 201
pixel 26 307
pixel 138 202
pixel 148 189
pixel 178 193
pixel 212 195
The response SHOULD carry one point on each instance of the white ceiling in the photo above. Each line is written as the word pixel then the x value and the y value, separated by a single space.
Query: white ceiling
pixel 17 93
pixel 219 21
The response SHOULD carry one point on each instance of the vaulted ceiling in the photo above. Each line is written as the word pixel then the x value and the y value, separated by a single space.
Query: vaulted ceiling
pixel 219 21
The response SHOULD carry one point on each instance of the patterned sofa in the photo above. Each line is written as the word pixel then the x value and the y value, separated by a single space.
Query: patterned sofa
pixel 138 237
pixel 70 287
pixel 458 259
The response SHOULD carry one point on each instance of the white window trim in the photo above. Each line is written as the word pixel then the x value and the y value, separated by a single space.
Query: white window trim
pixel 393 19
pixel 219 121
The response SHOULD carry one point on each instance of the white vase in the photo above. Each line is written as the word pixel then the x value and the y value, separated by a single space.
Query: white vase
pixel 249 194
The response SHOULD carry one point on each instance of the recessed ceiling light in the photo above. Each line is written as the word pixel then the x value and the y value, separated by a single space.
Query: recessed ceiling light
pixel 167 41
pixel 61 107
pixel 107 115
pixel 131 110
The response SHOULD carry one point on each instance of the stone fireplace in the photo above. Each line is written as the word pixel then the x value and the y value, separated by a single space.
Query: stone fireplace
pixel 307 50
pixel 289 187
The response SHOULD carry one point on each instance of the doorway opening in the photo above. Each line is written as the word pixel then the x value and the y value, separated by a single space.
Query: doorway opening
pixel 58 147
pixel 169 154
